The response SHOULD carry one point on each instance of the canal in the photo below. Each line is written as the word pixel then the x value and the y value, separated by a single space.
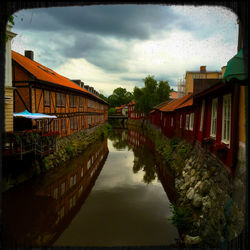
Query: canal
pixel 115 194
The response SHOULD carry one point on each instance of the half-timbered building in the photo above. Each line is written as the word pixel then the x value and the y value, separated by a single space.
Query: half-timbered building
pixel 39 89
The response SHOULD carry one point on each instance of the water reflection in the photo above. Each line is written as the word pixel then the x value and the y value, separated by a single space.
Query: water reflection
pixel 38 211
pixel 125 201
pixel 145 160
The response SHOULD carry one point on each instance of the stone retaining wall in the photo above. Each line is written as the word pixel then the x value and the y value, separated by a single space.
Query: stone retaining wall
pixel 205 186
pixel 70 146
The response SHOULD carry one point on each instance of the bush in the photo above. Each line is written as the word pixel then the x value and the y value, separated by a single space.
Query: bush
pixel 182 217
pixel 69 149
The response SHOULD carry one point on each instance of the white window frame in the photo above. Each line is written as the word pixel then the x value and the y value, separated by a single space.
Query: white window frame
pixel 226 119
pixel 202 115
pixel 191 121
pixel 63 188
pixel 187 122
pixel 214 114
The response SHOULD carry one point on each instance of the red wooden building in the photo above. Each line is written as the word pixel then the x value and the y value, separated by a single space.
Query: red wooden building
pixel 133 114
pixel 170 119
pixel 216 111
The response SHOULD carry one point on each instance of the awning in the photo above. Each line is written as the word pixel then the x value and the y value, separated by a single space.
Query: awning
pixel 27 114
pixel 235 68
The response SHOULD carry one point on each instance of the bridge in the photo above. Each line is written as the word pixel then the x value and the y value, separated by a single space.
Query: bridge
pixel 117 117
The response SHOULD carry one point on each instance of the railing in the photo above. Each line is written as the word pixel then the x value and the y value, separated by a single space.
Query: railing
pixel 39 145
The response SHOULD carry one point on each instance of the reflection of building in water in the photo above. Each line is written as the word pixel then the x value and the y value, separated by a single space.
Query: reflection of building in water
pixel 138 141
pixel 64 191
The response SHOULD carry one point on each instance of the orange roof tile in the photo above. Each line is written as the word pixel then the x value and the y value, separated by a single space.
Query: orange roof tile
pixel 131 103
pixel 186 104
pixel 42 73
pixel 173 94
pixel 175 103
pixel 161 104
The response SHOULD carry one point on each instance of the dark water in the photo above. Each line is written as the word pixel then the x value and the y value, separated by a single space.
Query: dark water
pixel 116 194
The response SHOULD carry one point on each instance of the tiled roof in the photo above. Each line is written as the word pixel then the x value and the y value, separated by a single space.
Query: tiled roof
pixel 186 104
pixel 131 103
pixel 176 103
pixel 44 74
pixel 161 104
pixel 173 94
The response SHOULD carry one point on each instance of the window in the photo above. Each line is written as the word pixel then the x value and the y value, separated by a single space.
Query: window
pixel 56 125
pixel 214 118
pixel 55 194
pixel 71 181
pixel 62 188
pixel 82 120
pixel 72 101
pixel 46 125
pixel 46 98
pixel 89 120
pixel 60 100
pixel 39 124
pixel 187 122
pixel 191 121
pixel 63 125
pixel 80 101
pixel 90 103
pixel 180 121
pixel 89 164
pixel 172 121
pixel 226 119
pixel 202 115
pixel 73 123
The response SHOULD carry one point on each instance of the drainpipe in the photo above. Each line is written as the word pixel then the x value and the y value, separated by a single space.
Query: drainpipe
pixel 236 95
pixel 235 123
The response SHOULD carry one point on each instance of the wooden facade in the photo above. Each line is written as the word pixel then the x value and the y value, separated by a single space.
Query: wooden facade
pixel 133 114
pixel 211 118
pixel 44 91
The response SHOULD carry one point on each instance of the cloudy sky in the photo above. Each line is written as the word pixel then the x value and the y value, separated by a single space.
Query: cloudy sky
pixel 110 46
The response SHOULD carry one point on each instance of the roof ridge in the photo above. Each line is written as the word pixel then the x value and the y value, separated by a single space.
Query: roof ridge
pixel 45 74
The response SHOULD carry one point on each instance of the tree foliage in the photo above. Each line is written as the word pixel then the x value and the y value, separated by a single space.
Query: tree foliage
pixel 119 97
pixel 103 97
pixel 152 94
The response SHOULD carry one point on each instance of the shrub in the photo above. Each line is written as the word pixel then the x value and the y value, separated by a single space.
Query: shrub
pixel 181 218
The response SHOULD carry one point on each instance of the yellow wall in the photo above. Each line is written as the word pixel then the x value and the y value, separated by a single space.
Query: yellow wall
pixel 198 75
pixel 8 109
pixel 242 120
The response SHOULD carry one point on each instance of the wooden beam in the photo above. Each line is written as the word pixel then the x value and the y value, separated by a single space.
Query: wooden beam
pixel 15 90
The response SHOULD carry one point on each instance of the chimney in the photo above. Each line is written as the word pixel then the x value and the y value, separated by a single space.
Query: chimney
pixel 29 54
pixel 223 69
pixel 202 68
pixel 78 82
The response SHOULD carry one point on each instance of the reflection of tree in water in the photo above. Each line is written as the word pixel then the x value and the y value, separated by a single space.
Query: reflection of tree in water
pixel 143 160
pixel 119 139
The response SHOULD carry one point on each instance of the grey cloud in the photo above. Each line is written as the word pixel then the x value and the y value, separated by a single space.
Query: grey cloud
pixel 123 21
pixel 97 51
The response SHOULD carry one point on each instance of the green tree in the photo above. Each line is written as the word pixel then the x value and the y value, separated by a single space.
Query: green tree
pixel 151 94
pixel 103 97
pixel 119 97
